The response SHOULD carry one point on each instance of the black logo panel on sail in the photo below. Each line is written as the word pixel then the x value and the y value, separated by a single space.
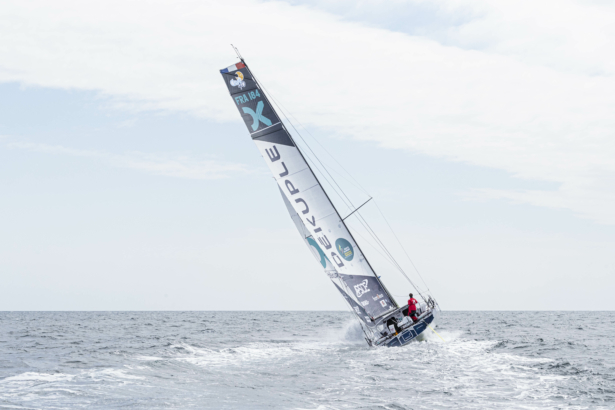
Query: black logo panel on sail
pixel 369 293
pixel 255 110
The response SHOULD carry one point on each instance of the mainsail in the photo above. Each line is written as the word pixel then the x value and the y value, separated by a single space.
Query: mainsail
pixel 320 225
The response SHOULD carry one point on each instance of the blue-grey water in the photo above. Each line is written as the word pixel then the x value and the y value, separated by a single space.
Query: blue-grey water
pixel 303 360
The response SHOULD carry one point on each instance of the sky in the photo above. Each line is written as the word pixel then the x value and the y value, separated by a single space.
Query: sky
pixel 483 131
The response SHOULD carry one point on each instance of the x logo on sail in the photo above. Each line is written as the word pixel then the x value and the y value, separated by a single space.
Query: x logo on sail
pixel 257 116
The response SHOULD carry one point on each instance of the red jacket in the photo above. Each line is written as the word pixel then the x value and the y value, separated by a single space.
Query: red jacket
pixel 412 304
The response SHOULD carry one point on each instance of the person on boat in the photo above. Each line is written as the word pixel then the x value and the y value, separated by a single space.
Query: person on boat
pixel 412 302
pixel 393 322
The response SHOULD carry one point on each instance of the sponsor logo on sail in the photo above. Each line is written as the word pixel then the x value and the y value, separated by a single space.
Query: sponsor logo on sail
pixel 361 288
pixel 257 116
pixel 378 296
pixel 365 303
pixel 344 248
pixel 383 303
pixel 238 81
pixel 356 309
pixel 321 255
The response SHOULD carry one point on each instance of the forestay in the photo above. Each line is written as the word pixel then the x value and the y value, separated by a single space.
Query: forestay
pixel 314 214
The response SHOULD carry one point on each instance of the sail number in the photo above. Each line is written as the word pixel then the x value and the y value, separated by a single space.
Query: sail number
pixel 246 97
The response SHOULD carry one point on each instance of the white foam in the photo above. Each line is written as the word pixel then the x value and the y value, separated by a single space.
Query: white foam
pixel 252 353
pixel 149 358
pixel 110 375
pixel 28 384
pixel 350 332
pixel 37 377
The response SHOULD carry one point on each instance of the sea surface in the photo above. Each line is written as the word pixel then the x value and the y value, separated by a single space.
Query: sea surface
pixel 303 360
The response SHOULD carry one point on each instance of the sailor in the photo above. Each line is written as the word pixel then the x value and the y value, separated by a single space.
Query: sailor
pixel 392 323
pixel 412 302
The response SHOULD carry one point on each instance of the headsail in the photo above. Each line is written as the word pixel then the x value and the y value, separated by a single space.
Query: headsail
pixel 314 214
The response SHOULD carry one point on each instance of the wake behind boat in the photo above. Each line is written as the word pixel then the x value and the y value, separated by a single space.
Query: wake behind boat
pixel 324 231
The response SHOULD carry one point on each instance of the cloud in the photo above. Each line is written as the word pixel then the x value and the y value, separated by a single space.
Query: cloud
pixel 564 198
pixel 156 164
pixel 565 35
pixel 524 87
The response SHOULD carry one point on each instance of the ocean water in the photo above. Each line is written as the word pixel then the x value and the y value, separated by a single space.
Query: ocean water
pixel 303 360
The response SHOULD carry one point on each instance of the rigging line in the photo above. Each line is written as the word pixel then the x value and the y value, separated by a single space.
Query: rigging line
pixel 338 174
pixel 314 165
pixel 310 149
pixel 362 220
pixel 402 247
pixel 317 168
pixel 401 270
pixel 336 184
pixel 349 181
pixel 373 234
pixel 322 165
pixel 379 241
pixel 366 224
pixel 418 289
pixel 388 259
pixel 384 255
pixel 325 177
pixel 307 145
pixel 360 217
pixel 372 245
pixel 358 185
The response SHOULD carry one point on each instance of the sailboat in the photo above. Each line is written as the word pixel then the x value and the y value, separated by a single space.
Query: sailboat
pixel 324 231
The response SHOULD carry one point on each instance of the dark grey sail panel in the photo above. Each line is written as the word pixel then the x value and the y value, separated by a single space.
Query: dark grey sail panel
pixel 358 309
pixel 369 292
pixel 275 134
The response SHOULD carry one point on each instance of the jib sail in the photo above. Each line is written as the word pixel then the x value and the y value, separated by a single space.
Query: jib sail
pixel 317 220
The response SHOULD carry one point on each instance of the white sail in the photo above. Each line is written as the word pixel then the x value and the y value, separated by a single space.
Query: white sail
pixel 321 226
